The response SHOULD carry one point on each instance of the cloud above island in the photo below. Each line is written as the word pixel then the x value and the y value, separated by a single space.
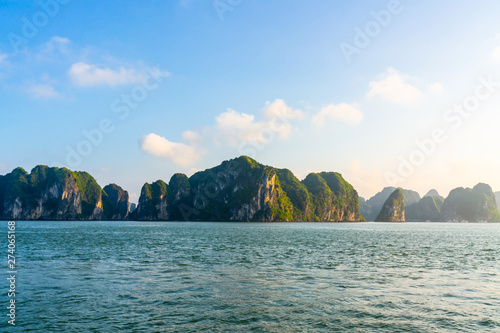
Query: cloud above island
pixel 394 87
pixel 343 112
pixel 279 109
pixel 43 91
pixel 231 128
pixel 234 128
pixel 178 153
pixel 90 75
pixel 239 130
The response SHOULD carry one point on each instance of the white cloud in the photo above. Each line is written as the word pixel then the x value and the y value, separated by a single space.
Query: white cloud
pixel 393 87
pixel 495 54
pixel 342 112
pixel 175 152
pixel 43 91
pixel 279 109
pixel 233 127
pixel 235 121
pixel 436 88
pixel 87 75
pixel 192 136
pixel 3 57
pixel 56 43
pixel 60 40
pixel 53 49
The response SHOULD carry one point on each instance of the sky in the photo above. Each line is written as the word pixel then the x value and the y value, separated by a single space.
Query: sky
pixel 388 93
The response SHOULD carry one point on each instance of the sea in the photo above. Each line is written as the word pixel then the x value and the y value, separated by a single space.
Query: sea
pixel 251 277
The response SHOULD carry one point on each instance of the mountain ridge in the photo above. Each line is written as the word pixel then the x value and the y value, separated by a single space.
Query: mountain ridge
pixel 240 189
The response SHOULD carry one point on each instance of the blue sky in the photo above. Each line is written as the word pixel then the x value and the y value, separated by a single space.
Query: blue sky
pixel 403 93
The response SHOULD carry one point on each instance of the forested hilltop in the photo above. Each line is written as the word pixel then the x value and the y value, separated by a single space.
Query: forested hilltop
pixel 237 190
pixel 240 189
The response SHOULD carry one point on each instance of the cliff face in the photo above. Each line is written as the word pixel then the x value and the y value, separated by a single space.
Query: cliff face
pixel 239 190
pixel 152 202
pixel 333 198
pixel 178 197
pixel 115 202
pixel 50 193
pixel 244 190
pixel 393 209
pixel 372 207
pixel 472 205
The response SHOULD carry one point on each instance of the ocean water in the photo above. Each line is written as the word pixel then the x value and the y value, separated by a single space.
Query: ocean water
pixel 241 277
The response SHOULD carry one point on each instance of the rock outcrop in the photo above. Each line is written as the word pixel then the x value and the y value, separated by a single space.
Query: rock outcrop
pixel 245 190
pixel 393 209
pixel 427 209
pixel 237 190
pixel 152 202
pixel 115 203
pixel 371 208
pixel 472 205
pixel 334 199
pixel 50 194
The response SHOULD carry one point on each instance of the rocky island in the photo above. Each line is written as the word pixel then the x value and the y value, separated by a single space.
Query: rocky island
pixel 237 190
pixel 240 189
pixel 393 209
pixel 244 190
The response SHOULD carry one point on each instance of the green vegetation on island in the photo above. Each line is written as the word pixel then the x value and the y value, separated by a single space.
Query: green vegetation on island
pixel 393 209
pixel 240 189
pixel 244 190
pixel 371 208
pixel 115 202
pixel 427 209
pixel 54 194
pixel 471 205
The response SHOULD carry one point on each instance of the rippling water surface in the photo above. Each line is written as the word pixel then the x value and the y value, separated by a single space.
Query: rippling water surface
pixel 238 277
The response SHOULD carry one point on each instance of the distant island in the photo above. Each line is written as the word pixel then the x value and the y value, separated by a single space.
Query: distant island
pixel 237 190
pixel 478 204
